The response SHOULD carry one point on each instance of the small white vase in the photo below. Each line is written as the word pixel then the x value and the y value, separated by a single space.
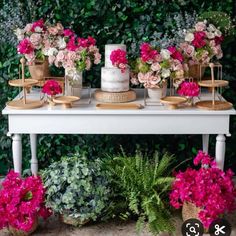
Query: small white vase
pixel 155 94
pixel 73 82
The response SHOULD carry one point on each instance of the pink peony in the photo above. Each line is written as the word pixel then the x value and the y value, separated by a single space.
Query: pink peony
pixel 147 53
pixel 200 26
pixel 119 59
pixel 188 89
pixel 25 46
pixel 219 40
pixel 39 24
pixel 68 32
pixel 71 45
pixel 36 40
pixel 175 54
pixel 52 88
pixel 199 39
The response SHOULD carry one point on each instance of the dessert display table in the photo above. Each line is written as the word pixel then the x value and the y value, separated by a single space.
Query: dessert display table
pixel 86 119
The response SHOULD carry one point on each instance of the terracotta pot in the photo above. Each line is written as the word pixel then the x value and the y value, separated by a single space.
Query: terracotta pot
pixel 194 71
pixel 39 69
pixel 71 220
pixel 17 232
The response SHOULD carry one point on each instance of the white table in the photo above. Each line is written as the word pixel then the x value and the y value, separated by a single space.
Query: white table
pixel 86 119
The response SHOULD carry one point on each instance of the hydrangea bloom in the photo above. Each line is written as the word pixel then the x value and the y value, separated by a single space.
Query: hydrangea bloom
pixel 21 202
pixel 119 59
pixel 51 88
pixel 209 188
pixel 188 89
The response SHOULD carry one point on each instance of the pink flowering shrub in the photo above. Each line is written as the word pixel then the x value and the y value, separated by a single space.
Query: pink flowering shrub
pixel 202 44
pixel 154 67
pixel 119 59
pixel 188 89
pixel 52 88
pixel 21 202
pixel 209 188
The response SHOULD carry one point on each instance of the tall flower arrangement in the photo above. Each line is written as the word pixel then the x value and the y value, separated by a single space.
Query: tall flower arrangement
pixel 202 43
pixel 21 202
pixel 153 67
pixel 208 188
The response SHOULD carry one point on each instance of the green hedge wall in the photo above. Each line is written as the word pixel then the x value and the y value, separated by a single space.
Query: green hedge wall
pixel 127 21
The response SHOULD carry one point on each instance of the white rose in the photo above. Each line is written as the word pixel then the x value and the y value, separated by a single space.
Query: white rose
pixel 38 29
pixel 19 34
pixel 218 33
pixel 165 73
pixel 211 28
pixel 52 51
pixel 189 37
pixel 210 35
pixel 165 54
pixel 61 43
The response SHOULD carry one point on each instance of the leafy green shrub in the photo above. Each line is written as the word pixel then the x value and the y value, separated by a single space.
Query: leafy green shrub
pixel 77 187
pixel 143 183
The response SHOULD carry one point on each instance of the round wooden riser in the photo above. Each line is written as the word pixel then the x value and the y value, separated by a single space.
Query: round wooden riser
pixel 20 83
pixel 66 101
pixel 216 83
pixel 19 104
pixel 120 97
pixel 173 101
pixel 219 105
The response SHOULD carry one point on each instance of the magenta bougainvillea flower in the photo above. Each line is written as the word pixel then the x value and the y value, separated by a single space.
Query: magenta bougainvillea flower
pixel 51 88
pixel 188 89
pixel 22 202
pixel 209 188
pixel 119 59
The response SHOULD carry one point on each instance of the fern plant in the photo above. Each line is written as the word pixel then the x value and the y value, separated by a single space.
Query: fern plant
pixel 144 183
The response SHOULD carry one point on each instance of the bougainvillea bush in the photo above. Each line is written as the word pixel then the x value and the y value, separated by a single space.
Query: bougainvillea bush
pixel 209 188
pixel 22 202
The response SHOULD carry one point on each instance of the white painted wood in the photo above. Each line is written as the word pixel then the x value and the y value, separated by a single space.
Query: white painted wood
pixel 17 152
pixel 220 150
pixel 34 160
pixel 205 142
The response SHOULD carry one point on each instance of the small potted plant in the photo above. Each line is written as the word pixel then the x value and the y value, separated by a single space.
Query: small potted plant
pixel 77 189
pixel 22 203
pixel 207 193
pixel 51 88
pixel 154 68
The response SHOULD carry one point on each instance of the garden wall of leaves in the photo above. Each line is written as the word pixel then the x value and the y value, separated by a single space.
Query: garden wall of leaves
pixel 109 21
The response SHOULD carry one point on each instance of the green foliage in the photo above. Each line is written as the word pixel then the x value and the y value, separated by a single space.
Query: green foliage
pixel 77 187
pixel 144 183
pixel 109 21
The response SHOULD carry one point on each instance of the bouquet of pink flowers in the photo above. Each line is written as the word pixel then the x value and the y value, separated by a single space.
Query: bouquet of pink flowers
pixel 52 88
pixel 154 67
pixel 188 89
pixel 21 202
pixel 202 44
pixel 119 59
pixel 208 188
pixel 31 40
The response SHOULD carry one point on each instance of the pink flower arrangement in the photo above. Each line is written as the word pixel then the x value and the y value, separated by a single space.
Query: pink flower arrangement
pixel 119 59
pixel 208 188
pixel 153 67
pixel 202 44
pixel 22 202
pixel 52 88
pixel 188 89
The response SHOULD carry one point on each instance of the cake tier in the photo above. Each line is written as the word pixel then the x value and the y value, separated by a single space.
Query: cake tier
pixel 113 80
pixel 108 49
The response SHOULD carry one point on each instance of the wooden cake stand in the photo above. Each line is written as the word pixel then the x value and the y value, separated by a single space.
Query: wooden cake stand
pixel 24 103
pixel 112 97
pixel 173 101
pixel 66 101
pixel 213 84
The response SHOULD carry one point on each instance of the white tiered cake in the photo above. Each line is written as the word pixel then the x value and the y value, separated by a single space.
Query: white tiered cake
pixel 113 80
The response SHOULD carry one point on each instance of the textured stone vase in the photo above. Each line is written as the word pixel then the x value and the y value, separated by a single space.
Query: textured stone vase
pixel 73 82
pixel 39 69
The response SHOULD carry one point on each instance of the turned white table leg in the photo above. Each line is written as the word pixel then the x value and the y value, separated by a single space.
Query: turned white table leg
pixel 17 152
pixel 34 160
pixel 205 142
pixel 220 150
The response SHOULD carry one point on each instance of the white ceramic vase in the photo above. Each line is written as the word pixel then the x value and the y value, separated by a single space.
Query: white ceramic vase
pixel 155 94
pixel 73 82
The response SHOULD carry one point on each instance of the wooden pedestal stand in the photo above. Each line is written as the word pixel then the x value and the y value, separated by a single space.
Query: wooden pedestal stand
pixel 23 103
pixel 66 101
pixel 213 84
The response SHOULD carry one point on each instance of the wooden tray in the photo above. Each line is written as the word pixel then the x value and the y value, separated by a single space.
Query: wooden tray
pixel 217 83
pixel 119 106
pixel 173 101
pixel 219 105
pixel 19 104
pixel 20 83
pixel 120 97
pixel 66 101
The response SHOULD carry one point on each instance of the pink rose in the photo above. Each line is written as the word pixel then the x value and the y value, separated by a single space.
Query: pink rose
pixel 134 81
pixel 36 39
pixel 88 63
pixel 53 30
pixel 51 59
pixel 97 58
pixel 37 24
pixel 60 56
pixel 71 55
pixel 200 26
pixel 60 28
pixel 155 66
pixel 189 51
pixel 28 28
